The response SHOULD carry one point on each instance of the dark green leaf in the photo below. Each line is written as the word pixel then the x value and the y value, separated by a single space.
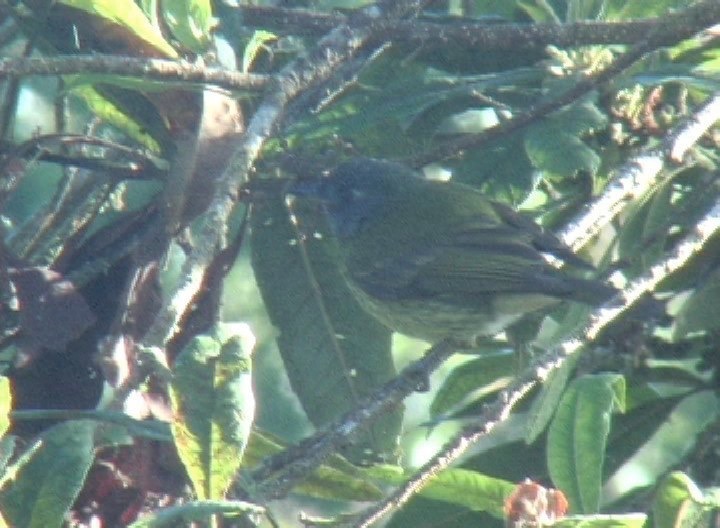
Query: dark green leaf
pixel 555 146
pixel 334 352
pixel 699 313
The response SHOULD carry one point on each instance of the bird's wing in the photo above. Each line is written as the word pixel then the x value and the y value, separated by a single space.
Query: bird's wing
pixel 470 262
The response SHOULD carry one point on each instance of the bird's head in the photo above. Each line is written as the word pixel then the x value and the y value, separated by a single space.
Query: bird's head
pixel 353 193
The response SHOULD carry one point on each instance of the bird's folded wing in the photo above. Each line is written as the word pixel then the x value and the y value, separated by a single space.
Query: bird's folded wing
pixel 462 269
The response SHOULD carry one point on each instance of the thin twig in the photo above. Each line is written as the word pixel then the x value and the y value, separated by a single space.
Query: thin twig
pixel 539 111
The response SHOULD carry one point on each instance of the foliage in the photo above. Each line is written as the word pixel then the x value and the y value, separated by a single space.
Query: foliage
pixel 120 382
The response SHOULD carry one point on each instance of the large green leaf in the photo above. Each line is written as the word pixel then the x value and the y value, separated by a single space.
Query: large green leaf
pixel 49 480
pixel 546 402
pixel 669 444
pixel 333 351
pixel 213 406
pixel 126 16
pixel 578 435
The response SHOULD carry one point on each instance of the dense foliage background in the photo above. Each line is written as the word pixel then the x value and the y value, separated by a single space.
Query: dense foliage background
pixel 145 147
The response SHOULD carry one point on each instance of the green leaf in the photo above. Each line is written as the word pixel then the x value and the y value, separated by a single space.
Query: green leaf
pixel 127 15
pixel 471 378
pixel 669 444
pixel 676 495
pixel 503 172
pixel 190 22
pixel 578 435
pixel 115 115
pixel 255 44
pixel 699 312
pixel 48 481
pixel 679 502
pixel 555 145
pixel 546 403
pixel 213 406
pixel 195 511
pixel 334 352
pixel 463 487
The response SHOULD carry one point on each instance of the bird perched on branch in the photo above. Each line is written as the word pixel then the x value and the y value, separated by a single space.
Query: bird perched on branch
pixel 437 259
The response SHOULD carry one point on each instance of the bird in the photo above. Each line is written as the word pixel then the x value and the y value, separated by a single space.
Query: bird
pixel 437 259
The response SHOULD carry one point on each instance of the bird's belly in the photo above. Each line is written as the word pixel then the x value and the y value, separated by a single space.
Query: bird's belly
pixel 433 320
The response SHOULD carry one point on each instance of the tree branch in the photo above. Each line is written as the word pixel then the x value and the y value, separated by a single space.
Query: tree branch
pixel 491 36
pixel 141 68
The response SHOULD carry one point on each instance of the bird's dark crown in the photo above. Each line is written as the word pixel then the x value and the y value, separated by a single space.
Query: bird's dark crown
pixel 356 191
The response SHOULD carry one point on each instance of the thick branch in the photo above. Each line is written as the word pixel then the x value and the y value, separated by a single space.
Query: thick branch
pixel 494 37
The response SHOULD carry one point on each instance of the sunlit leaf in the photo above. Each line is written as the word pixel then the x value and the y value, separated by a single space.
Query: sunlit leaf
pixel 213 406
pixel 48 482
pixel 190 22
pixel 112 113
pixel 5 405
pixel 125 14
pixel 256 43
pixel 464 487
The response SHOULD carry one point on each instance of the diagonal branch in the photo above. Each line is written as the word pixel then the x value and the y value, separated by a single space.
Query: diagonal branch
pixel 640 174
